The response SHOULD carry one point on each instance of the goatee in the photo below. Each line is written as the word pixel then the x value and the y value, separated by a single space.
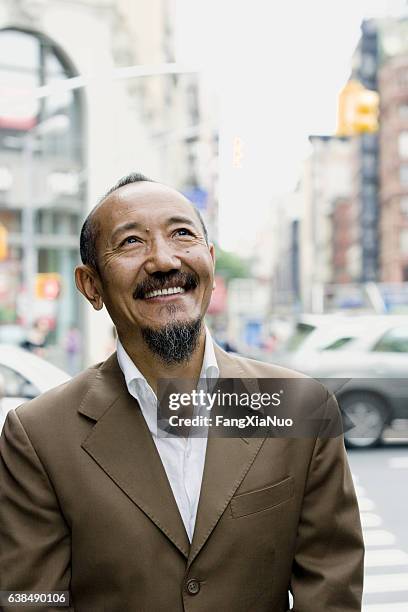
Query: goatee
pixel 175 342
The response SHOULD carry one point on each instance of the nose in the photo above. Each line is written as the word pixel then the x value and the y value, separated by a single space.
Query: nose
pixel 162 257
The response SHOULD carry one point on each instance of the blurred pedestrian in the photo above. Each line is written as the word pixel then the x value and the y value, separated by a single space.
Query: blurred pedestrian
pixel 72 347
pixel 36 338
pixel 270 343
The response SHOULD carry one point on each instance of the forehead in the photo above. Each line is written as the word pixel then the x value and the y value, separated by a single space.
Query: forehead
pixel 144 202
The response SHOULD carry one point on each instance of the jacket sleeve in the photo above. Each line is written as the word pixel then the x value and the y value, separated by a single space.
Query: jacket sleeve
pixel 35 547
pixel 327 573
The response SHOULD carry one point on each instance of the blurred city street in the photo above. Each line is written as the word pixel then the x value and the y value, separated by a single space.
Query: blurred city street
pixel 380 477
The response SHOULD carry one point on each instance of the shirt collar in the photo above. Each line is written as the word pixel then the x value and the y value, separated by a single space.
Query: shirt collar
pixel 132 373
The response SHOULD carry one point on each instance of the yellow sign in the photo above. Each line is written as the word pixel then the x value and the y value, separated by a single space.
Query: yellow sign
pixel 47 285
pixel 3 242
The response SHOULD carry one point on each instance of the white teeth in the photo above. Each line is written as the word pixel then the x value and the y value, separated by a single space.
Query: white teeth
pixel 169 291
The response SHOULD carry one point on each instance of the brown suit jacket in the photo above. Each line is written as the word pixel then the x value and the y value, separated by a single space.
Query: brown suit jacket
pixel 85 505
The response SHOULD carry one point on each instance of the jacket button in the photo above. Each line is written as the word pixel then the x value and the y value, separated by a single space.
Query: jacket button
pixel 193 587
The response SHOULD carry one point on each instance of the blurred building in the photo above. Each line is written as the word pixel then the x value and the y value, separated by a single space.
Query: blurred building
pixel 364 134
pixel 326 189
pixel 354 226
pixel 75 115
pixel 285 282
pixel 393 87
pixel 247 308
pixel 380 64
pixel 276 254
pixel 339 222
pixel 344 240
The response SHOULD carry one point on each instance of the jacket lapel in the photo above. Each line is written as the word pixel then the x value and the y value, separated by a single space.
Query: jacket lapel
pixel 122 445
pixel 227 462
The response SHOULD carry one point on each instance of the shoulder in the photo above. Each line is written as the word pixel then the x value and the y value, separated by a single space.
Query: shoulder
pixel 60 400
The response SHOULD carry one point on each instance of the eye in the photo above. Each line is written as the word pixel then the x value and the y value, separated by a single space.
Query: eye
pixel 183 231
pixel 129 240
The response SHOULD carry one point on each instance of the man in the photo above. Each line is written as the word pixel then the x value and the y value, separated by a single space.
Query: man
pixel 92 498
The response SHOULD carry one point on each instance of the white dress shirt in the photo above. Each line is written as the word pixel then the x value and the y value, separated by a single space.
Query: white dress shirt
pixel 183 458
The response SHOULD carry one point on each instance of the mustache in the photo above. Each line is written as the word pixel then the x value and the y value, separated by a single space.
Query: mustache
pixel 162 280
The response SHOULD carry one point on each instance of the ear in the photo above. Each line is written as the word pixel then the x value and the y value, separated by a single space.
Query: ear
pixel 88 283
pixel 212 253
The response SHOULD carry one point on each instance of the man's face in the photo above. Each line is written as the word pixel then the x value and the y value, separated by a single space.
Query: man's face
pixel 150 240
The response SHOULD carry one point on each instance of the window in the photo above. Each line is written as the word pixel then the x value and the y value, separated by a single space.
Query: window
pixel 19 53
pixel 393 341
pixel 338 344
pixel 404 242
pixel 369 191
pixel 404 205
pixel 368 216
pixel 302 331
pixel 369 163
pixel 368 65
pixel 404 175
pixel 369 142
pixel 403 144
pixel 28 61
pixel 402 78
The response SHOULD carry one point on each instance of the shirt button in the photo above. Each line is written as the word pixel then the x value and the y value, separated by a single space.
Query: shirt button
pixel 193 586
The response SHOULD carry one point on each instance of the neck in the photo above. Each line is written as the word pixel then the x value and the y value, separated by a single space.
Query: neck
pixel 154 369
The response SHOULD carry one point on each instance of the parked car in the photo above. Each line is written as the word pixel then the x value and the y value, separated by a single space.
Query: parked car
pixel 315 333
pixel 369 372
pixel 23 376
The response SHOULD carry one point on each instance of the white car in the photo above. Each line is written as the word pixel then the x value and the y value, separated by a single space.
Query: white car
pixel 24 376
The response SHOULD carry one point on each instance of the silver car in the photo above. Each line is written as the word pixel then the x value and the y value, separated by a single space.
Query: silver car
pixel 367 366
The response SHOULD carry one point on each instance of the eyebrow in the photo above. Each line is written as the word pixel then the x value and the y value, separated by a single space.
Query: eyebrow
pixel 134 225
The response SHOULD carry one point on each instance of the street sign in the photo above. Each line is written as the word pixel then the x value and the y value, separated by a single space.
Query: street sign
pixel 3 242
pixel 47 285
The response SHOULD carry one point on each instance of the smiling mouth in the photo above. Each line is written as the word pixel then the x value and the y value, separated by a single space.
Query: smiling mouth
pixel 164 287
pixel 164 292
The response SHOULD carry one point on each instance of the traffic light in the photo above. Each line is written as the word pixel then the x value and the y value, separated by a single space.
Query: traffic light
pixel 358 110
pixel 3 242
pixel 366 119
